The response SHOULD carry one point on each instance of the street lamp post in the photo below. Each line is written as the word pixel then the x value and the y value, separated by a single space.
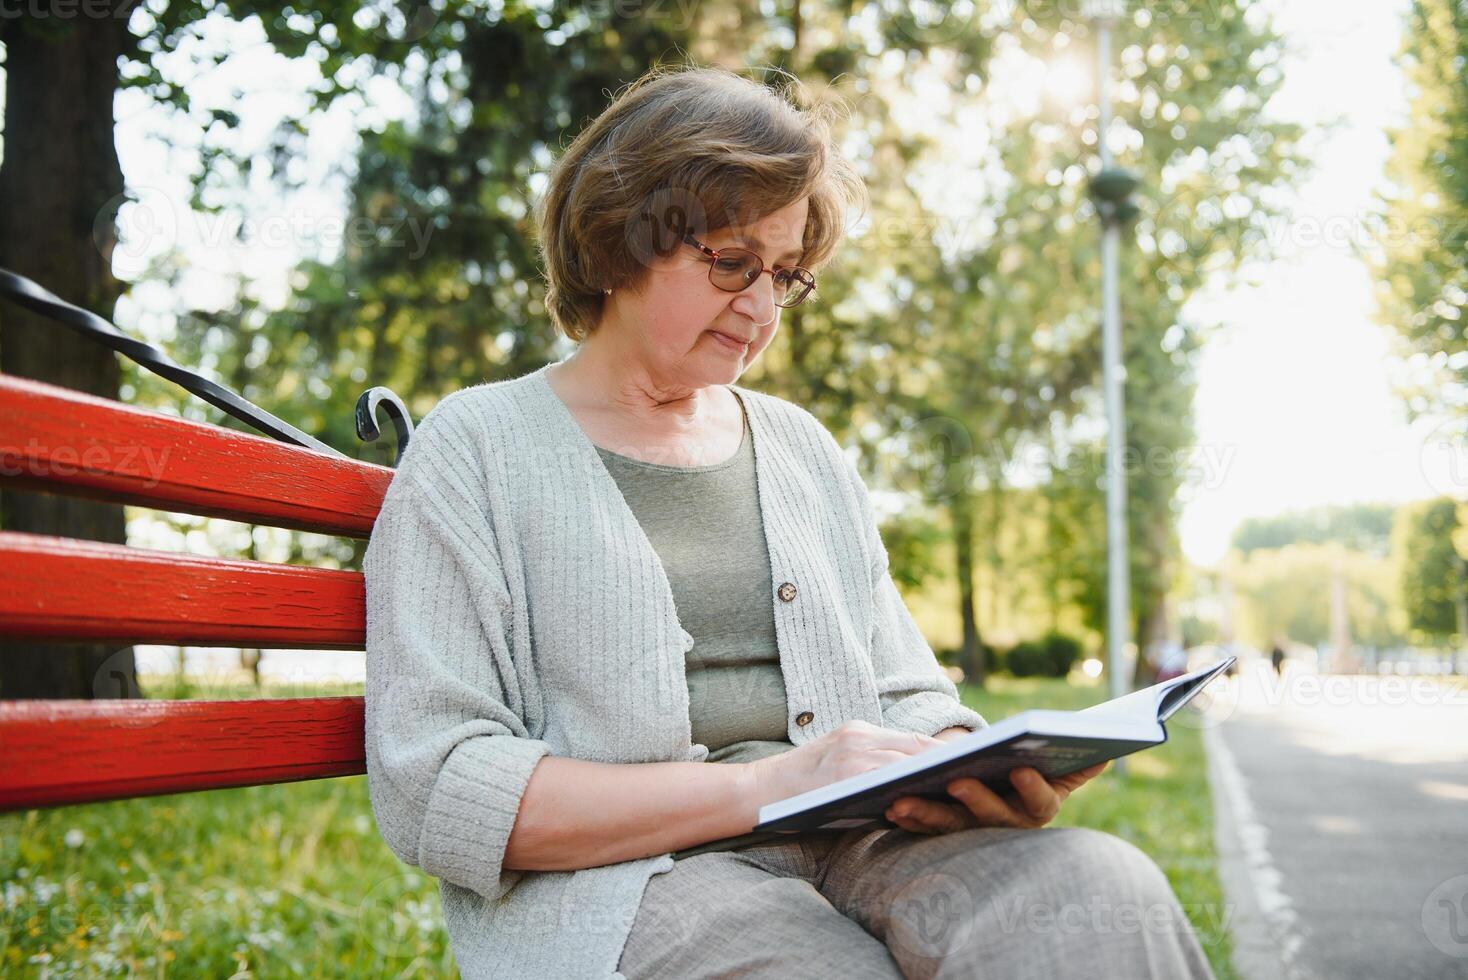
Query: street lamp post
pixel 1111 190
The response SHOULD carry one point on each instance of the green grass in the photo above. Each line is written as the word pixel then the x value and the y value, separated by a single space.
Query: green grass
pixel 1161 803
pixel 283 880
pixel 293 879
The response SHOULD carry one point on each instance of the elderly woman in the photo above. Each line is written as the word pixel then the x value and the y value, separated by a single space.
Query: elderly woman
pixel 619 603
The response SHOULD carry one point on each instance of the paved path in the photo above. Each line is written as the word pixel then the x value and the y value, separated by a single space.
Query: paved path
pixel 1342 806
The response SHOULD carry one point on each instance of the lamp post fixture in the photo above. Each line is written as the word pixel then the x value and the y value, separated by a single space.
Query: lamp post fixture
pixel 1111 190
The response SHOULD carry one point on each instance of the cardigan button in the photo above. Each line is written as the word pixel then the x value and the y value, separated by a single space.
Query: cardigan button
pixel 804 718
pixel 787 591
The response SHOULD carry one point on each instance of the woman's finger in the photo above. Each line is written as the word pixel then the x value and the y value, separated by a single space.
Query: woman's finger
pixel 1074 781
pixel 1036 803
pixel 914 814
pixel 924 816
pixel 953 817
pixel 1037 796
pixel 987 806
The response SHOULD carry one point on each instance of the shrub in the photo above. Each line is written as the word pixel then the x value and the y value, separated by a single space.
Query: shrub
pixel 1061 651
pixel 1026 659
pixel 1050 656
pixel 953 657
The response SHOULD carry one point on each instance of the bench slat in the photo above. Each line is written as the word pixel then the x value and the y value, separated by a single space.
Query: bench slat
pixel 68 590
pixel 54 753
pixel 63 441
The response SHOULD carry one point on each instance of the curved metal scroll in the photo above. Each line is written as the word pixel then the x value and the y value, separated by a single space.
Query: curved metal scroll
pixel 392 406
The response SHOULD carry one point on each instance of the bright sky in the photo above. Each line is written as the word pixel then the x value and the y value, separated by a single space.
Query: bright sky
pixel 1295 393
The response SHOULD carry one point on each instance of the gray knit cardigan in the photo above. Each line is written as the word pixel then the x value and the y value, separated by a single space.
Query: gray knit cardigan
pixel 515 608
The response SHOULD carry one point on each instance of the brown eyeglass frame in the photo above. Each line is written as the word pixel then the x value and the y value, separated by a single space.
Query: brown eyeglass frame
pixel 712 254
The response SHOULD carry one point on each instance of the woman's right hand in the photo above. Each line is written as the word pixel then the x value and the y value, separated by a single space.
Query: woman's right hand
pixel 855 747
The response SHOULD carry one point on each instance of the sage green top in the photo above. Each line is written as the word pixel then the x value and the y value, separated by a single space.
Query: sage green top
pixel 704 523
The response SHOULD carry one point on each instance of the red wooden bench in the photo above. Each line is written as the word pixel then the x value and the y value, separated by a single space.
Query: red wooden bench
pixel 55 589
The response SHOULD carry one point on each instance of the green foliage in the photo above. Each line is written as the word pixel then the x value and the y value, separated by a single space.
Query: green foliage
pixel 1052 655
pixel 1197 631
pixel 984 654
pixel 1361 527
pixel 1025 659
pixel 1000 350
pixel 1407 588
pixel 1433 587
pixel 915 546
pixel 1423 271
pixel 1063 651
pixel 1288 592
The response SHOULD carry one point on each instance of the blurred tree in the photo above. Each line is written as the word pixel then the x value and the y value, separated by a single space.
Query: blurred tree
pixel 1000 337
pixel 957 330
pixel 1194 82
pixel 1434 592
pixel 1286 592
pixel 1423 261
pixel 1361 527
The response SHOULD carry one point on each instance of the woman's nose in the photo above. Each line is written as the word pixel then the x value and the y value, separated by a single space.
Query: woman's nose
pixel 757 301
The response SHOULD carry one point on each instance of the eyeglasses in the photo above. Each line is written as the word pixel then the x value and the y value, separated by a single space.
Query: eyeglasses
pixel 736 269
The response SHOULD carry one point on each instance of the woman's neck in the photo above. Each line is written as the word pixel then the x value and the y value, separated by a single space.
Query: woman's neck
pixel 619 388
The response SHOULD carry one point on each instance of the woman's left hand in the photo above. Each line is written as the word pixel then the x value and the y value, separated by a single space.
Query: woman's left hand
pixel 1034 803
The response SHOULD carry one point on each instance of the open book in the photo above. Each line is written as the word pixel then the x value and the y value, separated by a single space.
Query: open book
pixel 1054 742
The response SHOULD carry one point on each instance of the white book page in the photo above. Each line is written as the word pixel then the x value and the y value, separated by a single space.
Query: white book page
pixel 1158 702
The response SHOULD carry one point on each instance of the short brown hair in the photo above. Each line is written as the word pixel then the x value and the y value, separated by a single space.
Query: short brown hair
pixel 684 148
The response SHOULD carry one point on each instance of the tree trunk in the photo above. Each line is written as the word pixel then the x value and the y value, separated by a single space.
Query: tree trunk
pixel 1149 599
pixel 58 180
pixel 996 556
pixel 972 656
pixel 1052 551
pixel 1460 609
pixel 1151 628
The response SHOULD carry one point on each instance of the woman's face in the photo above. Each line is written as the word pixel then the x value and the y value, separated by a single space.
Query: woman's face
pixel 677 316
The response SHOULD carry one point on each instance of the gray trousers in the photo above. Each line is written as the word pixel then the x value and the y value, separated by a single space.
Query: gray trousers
pixel 987 902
